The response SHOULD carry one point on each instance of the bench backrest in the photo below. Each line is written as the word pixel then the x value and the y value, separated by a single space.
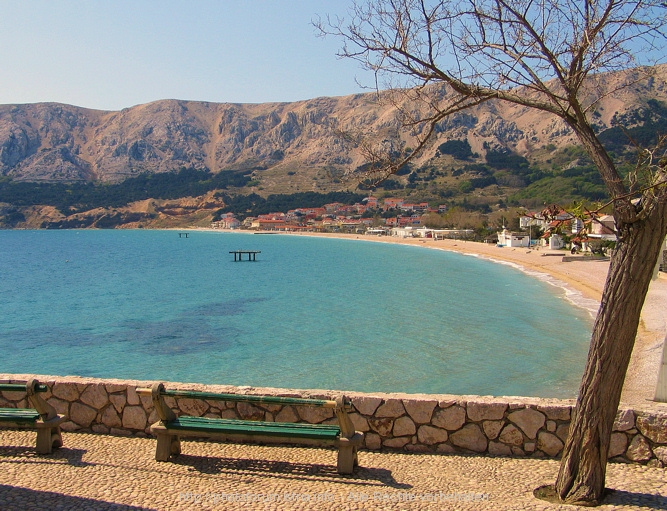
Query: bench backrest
pixel 246 398
pixel 21 387
pixel 339 406
pixel 31 388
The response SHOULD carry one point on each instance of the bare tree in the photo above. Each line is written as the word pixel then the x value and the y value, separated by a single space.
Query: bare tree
pixel 551 55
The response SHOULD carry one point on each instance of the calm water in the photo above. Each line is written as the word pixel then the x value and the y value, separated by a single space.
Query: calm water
pixel 309 313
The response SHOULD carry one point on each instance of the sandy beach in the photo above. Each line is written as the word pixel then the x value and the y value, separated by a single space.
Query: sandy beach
pixel 583 281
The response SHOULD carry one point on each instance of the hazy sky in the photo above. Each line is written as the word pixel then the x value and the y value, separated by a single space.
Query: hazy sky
pixel 115 54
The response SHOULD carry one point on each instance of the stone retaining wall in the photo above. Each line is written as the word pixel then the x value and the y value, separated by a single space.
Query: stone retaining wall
pixel 509 426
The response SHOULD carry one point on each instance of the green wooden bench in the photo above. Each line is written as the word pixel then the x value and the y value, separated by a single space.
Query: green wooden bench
pixel 170 428
pixel 41 417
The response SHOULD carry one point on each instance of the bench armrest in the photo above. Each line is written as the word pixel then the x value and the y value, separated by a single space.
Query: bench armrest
pixel 44 409
pixel 344 421
pixel 163 411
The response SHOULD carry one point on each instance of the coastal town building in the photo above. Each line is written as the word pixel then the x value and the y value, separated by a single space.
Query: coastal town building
pixel 513 239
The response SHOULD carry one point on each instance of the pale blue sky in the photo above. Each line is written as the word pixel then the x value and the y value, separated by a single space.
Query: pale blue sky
pixel 115 54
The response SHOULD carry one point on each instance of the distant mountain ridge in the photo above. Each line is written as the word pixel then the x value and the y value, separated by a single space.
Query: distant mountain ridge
pixel 57 142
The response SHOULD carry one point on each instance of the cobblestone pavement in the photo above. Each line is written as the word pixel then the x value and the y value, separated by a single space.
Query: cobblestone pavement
pixel 107 473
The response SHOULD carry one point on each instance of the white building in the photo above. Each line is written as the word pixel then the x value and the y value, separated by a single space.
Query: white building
pixel 513 239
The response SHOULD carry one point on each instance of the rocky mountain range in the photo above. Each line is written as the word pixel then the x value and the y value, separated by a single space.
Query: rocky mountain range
pixel 56 142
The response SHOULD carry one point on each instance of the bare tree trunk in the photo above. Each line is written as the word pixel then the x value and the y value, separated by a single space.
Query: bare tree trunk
pixel 583 465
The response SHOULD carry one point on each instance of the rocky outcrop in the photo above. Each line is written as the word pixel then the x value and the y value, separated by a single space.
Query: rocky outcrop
pixel 56 142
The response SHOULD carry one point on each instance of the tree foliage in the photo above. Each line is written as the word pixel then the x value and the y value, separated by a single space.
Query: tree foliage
pixel 73 197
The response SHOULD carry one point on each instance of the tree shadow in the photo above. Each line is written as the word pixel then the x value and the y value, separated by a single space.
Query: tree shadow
pixel 630 498
pixel 62 455
pixel 15 498
pixel 610 497
pixel 288 470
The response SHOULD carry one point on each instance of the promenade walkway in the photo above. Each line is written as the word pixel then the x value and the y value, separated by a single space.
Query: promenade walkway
pixel 107 473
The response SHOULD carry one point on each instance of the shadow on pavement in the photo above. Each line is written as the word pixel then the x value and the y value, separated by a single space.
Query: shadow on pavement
pixel 24 499
pixel 288 470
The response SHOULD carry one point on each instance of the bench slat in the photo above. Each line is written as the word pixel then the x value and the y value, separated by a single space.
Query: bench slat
pixel 18 415
pixel 250 398
pixel 20 387
pixel 278 429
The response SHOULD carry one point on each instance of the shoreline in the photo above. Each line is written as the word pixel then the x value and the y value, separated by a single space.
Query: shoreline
pixel 583 283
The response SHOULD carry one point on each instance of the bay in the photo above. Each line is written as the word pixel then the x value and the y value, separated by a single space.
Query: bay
pixel 310 312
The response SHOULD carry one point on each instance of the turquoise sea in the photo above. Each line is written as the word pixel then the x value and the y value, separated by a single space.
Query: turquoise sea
pixel 308 313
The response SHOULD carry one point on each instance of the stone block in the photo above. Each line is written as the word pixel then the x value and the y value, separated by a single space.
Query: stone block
pixel 366 405
pixel 419 410
pixel 404 426
pixel 229 414
pixel 120 432
pixel 392 408
pixel 13 396
pixel 82 414
pixel 67 391
pixel 511 435
pixel 396 443
pixel 134 417
pixel 653 428
pixel 132 396
pixel 556 412
pixel 617 444
pixel 115 388
pixel 429 435
pixel 110 417
pixel 372 441
pixel 451 418
pixel 529 447
pixel 661 454
pixel 445 449
pixel 61 406
pixel 247 411
pixel 146 401
pixel 492 428
pixel 118 401
pixel 153 417
pixel 100 428
pixel 625 420
pixel 529 420
pixel 563 431
pixel 192 407
pixel 469 437
pixel 639 450
pixel 381 426
pixel 480 411
pixel 70 426
pixel 95 395
pixel 517 451
pixel 419 448
pixel 271 408
pixel 359 422
pixel 549 444
pixel 499 449
pixel 551 426
pixel 314 415
pixel 287 414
